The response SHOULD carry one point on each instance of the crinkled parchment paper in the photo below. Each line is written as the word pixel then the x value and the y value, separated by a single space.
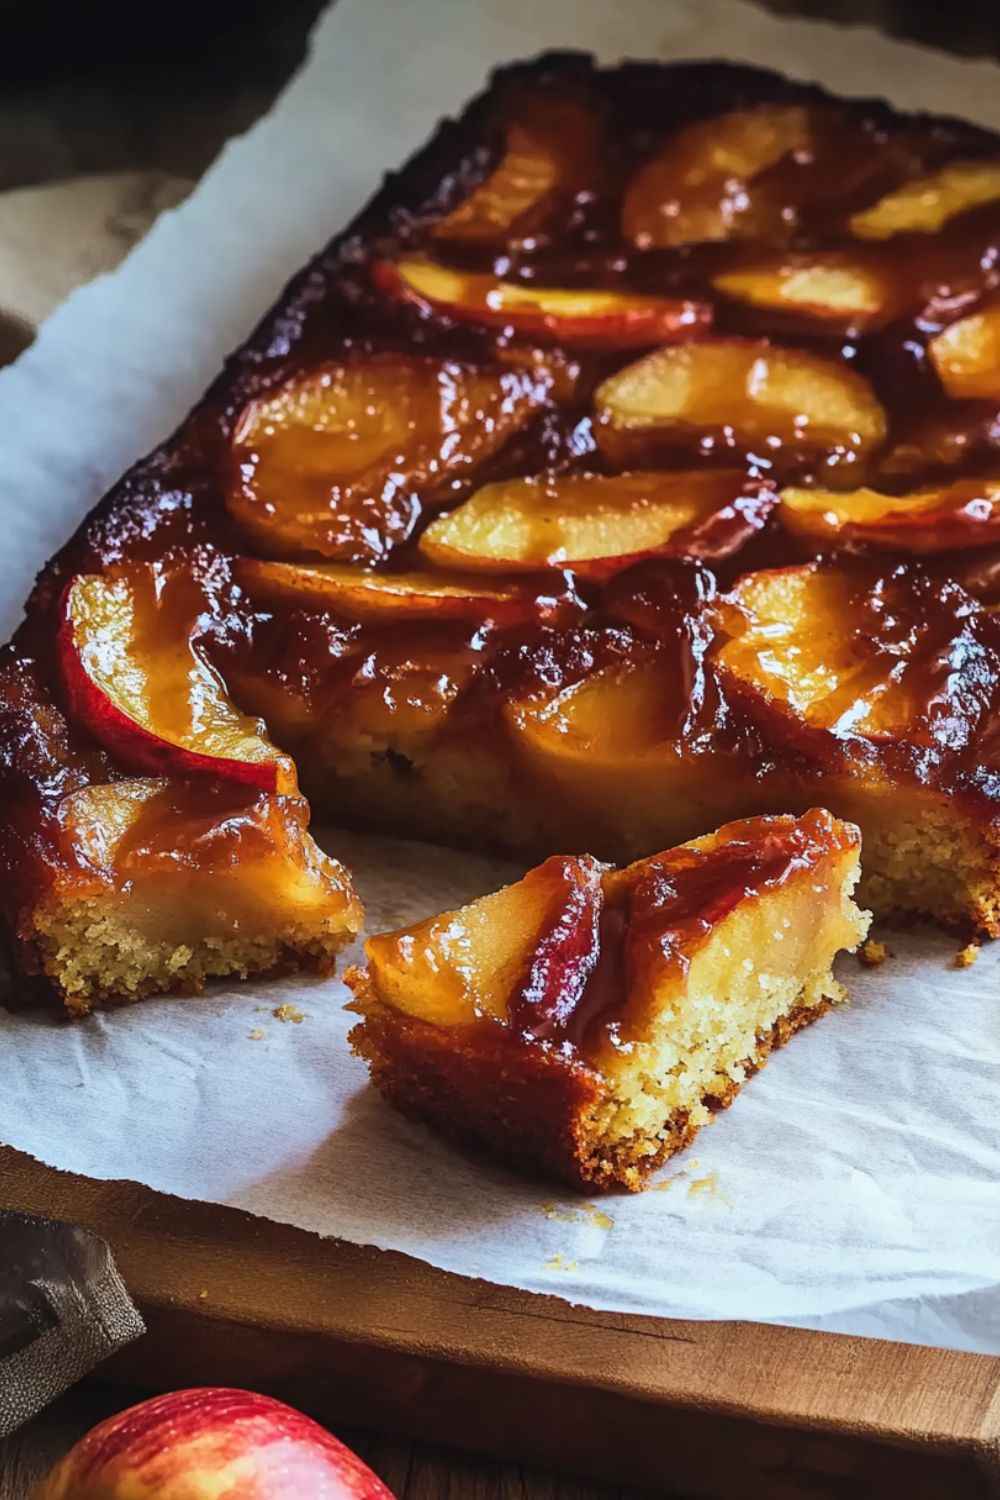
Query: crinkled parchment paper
pixel 856 1184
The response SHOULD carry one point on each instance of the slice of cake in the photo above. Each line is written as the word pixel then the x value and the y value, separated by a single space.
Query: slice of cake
pixel 586 1022
pixel 121 886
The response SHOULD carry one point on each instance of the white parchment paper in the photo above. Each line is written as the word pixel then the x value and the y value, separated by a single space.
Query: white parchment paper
pixel 856 1184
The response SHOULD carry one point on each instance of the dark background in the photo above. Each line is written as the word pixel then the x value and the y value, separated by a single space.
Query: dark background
pixel 92 87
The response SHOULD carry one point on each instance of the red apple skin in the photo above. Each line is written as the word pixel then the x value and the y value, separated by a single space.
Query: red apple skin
pixel 211 1443
pixel 636 328
pixel 137 747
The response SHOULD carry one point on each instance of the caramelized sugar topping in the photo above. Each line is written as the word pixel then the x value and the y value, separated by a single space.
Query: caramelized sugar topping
pixel 503 465
pixel 883 665
pixel 570 955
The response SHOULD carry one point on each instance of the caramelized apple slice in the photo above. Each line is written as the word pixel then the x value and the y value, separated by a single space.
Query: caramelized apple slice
pixel 966 354
pixel 537 938
pixel 740 393
pixel 359 594
pixel 597 524
pixel 677 936
pixel 618 736
pixel 579 316
pixel 338 461
pixel 699 186
pixel 939 519
pixel 822 656
pixel 551 153
pixel 826 285
pixel 925 204
pixel 136 679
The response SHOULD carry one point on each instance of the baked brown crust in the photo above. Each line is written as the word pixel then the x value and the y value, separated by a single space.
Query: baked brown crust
pixel 531 1109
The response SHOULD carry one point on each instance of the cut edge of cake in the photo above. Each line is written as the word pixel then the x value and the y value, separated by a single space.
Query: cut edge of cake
pixel 607 1119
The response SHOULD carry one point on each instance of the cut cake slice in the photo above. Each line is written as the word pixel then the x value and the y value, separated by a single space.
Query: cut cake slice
pixel 586 1022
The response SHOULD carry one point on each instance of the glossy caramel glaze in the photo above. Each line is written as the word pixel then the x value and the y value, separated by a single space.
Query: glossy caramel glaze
pixel 643 926
pixel 577 151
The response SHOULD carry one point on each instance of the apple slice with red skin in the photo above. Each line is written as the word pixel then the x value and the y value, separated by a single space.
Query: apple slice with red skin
pixel 924 205
pixel 136 679
pixel 341 460
pixel 207 1442
pixel 742 393
pixel 381 598
pixel 597 524
pixel 966 354
pixel 588 316
pixel 942 518
pixel 551 152
pixel 529 947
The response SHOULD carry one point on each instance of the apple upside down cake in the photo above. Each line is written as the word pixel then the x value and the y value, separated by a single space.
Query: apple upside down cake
pixel 631 465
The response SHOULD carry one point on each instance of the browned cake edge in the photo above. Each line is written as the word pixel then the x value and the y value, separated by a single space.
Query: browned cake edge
pixel 526 1106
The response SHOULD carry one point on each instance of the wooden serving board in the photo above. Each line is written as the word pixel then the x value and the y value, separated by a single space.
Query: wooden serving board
pixel 366 1338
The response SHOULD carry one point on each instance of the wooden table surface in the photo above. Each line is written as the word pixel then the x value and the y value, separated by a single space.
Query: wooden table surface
pixel 86 163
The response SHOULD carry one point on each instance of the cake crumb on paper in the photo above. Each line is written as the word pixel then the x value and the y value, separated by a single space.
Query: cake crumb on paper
pixel 597 1216
pixel 558 1262
pixel 872 953
pixel 256 1035
pixel 587 1212
pixel 560 1214
pixel 708 1187
pixel 288 1012
pixel 966 957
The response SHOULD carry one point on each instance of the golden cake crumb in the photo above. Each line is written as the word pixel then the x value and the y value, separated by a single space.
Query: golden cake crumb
pixel 558 1262
pixel 288 1013
pixel 587 1211
pixel 966 957
pixel 256 1035
pixel 872 953
pixel 598 1217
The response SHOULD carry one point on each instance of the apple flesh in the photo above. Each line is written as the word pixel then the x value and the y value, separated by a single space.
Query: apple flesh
pixel 925 204
pixel 826 657
pixel 617 735
pixel 966 354
pixel 382 598
pixel 534 941
pixel 937 519
pixel 202 1444
pixel 551 153
pixel 700 186
pixel 740 393
pixel 338 462
pixel 136 679
pixel 574 316
pixel 823 285
pixel 597 524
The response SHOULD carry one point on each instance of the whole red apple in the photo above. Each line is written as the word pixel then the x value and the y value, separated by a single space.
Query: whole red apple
pixel 211 1444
